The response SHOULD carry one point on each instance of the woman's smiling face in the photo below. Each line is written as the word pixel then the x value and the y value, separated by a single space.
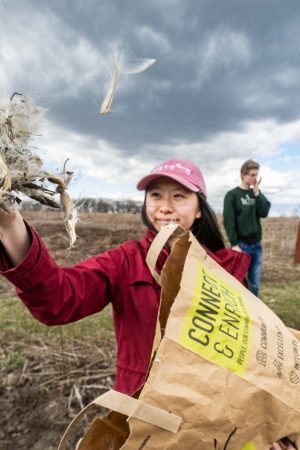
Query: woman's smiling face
pixel 169 202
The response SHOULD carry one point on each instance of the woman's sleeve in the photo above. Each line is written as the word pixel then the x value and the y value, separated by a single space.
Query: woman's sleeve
pixel 57 295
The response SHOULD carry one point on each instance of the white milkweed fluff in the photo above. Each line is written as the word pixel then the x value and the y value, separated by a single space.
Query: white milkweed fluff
pixel 21 170
pixel 119 67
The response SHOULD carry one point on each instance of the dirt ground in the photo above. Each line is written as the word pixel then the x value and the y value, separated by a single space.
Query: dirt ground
pixel 37 405
pixel 38 399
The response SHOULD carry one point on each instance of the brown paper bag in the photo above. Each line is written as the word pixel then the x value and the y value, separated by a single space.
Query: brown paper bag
pixel 226 372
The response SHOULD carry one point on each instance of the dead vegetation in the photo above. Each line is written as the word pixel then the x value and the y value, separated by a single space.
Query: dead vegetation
pixel 44 383
pixel 21 168
pixel 44 386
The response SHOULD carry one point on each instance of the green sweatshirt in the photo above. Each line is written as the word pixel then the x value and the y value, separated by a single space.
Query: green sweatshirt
pixel 242 213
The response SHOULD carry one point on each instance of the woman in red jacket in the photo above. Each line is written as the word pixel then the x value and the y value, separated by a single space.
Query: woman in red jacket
pixel 174 192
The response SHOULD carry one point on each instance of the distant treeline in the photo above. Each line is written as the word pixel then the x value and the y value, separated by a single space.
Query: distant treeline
pixel 93 205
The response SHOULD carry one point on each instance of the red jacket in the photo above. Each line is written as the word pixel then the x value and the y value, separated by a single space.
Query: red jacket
pixel 58 295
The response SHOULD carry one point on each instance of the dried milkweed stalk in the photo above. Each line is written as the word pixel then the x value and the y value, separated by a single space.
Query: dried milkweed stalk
pixel 66 203
pixel 21 170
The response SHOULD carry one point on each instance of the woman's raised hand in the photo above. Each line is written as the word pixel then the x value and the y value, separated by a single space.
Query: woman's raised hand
pixel 14 235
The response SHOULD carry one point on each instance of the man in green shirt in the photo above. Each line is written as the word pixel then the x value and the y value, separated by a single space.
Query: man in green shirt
pixel 243 208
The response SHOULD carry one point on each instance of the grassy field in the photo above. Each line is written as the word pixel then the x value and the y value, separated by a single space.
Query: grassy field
pixel 280 287
pixel 284 299
pixel 42 369
pixel 17 323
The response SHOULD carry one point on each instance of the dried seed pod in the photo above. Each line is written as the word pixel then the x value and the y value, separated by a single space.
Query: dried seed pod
pixel 21 170
pixel 70 215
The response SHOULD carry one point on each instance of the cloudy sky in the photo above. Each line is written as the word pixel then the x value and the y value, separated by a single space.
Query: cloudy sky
pixel 225 87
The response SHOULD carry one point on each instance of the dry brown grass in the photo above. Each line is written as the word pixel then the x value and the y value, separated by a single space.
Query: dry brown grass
pixel 44 381
pixel 279 242
pixel 98 232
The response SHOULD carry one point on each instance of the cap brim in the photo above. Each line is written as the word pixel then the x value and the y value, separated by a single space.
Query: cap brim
pixel 144 182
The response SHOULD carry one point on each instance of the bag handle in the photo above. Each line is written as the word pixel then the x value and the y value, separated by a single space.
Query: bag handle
pixel 130 407
pixel 158 244
pixel 125 404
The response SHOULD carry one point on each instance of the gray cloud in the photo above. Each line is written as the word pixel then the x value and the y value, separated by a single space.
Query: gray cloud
pixel 221 66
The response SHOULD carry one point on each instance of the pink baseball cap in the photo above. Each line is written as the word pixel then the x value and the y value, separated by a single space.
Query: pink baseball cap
pixel 179 170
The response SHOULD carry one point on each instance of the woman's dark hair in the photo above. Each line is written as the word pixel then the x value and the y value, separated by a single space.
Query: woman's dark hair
pixel 206 229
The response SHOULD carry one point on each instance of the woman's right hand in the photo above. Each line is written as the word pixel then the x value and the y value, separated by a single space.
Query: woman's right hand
pixel 281 446
pixel 237 248
pixel 14 235
pixel 7 216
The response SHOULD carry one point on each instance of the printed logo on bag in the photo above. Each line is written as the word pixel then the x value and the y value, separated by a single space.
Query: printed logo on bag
pixel 217 325
pixel 249 446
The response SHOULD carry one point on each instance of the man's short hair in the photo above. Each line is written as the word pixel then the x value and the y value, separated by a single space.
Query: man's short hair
pixel 249 165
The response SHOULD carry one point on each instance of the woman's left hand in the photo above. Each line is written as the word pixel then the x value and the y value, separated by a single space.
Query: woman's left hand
pixel 281 446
